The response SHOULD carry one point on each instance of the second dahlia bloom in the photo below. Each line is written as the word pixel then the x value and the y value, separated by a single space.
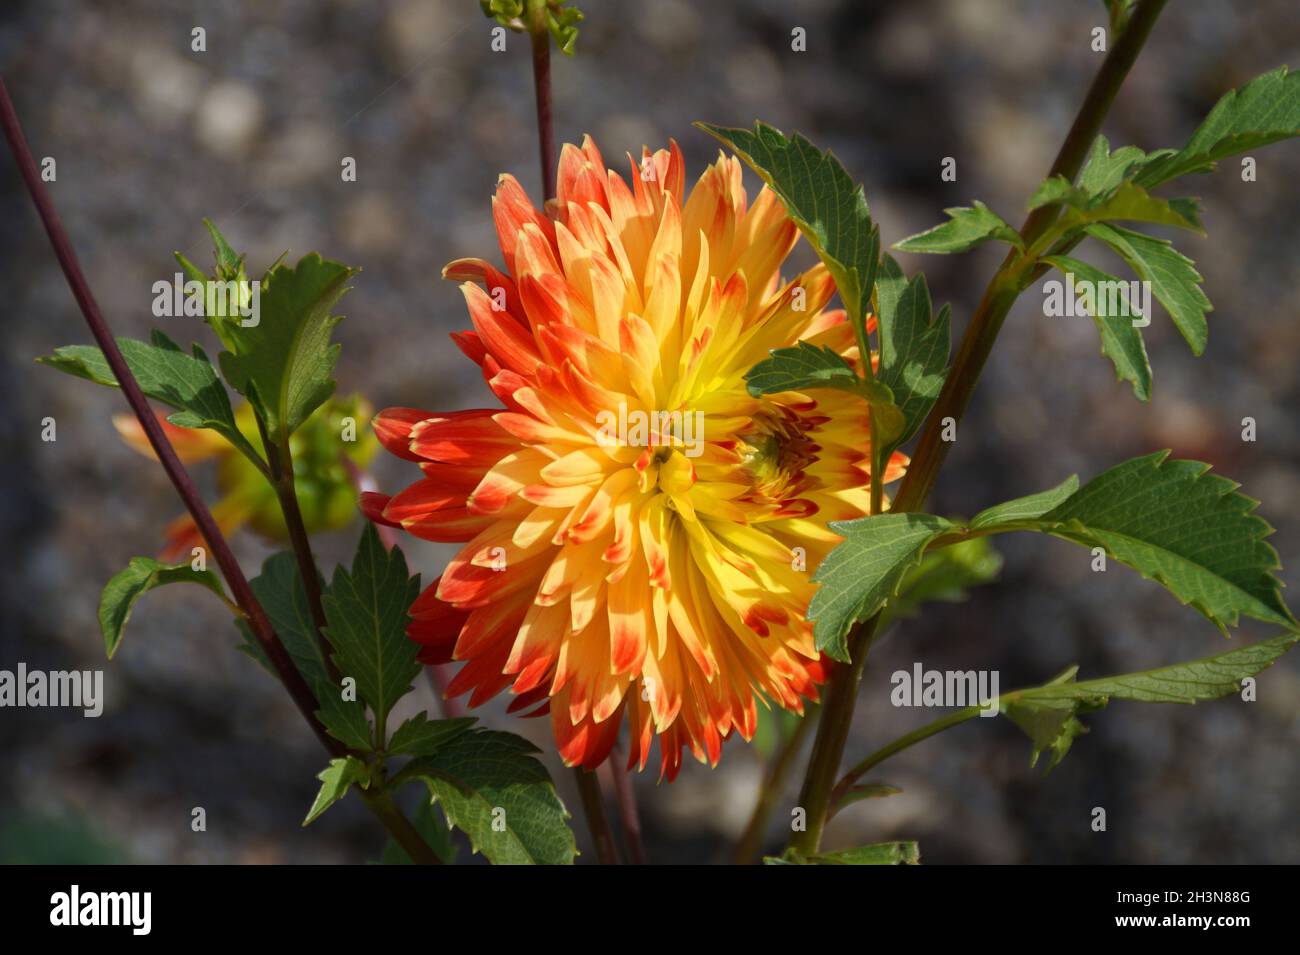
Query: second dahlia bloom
pixel 639 531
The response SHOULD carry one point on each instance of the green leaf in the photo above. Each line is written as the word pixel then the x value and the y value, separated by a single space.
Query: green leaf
pixel 336 779
pixel 866 791
pixel 506 12
pixel 493 789
pixel 1265 110
pixel 883 853
pixel 822 200
pixel 366 616
pixel 280 591
pixel 227 294
pixel 1126 202
pixel 1168 520
pixel 284 363
pixel 1105 170
pixel 1027 508
pixel 1049 714
pixel 229 264
pixel 1174 280
pixel 967 227
pixel 188 383
pixel 430 823
pixel 192 271
pixel 1121 340
pixel 140 576
pixel 914 345
pixel 563 23
pixel 865 570
pixel 1172 522
pixel 807 366
pixel 421 736
pixel 1189 530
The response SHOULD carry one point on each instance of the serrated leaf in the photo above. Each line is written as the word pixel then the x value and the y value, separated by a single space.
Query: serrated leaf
pixel 284 363
pixel 1121 340
pixel 280 591
pixel 166 374
pixel 140 576
pixel 821 199
pixel 967 227
pixel 806 366
pixel 421 736
pixel 1187 529
pixel 1126 202
pixel 494 790
pixel 914 345
pixel 1175 283
pixel 1265 110
pixel 865 570
pixel 1105 170
pixel 882 853
pixel 1049 714
pixel 1169 520
pixel 336 779
pixel 366 616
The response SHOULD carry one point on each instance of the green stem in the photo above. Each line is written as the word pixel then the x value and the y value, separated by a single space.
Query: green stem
pixel 751 841
pixel 1010 279
pixel 897 746
pixel 280 459
pixel 977 342
pixel 381 803
pixel 828 745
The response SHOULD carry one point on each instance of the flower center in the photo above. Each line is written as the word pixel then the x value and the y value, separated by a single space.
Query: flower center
pixel 777 454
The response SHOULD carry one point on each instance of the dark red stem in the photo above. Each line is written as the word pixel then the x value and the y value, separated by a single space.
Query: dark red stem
pixel 541 40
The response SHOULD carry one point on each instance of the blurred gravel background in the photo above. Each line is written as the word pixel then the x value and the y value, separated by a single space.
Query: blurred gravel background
pixel 149 137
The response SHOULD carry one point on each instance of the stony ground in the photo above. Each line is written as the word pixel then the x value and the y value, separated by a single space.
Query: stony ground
pixel 149 137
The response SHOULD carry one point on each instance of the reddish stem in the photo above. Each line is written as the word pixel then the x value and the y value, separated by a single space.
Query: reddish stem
pixel 180 478
pixel 379 802
pixel 541 40
pixel 625 797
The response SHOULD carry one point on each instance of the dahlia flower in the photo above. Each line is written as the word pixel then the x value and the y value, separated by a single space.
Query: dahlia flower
pixel 639 531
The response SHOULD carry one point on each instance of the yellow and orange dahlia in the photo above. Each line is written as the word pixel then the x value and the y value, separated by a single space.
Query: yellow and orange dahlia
pixel 640 532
